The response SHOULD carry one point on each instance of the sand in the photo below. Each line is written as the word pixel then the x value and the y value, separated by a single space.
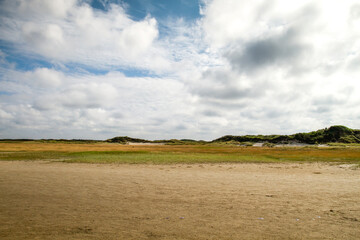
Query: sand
pixel 52 200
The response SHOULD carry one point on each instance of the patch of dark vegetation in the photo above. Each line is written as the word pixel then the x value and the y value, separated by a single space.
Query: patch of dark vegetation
pixel 68 141
pixel 340 134
pixel 180 142
pixel 51 140
pixel 127 139
pixel 16 140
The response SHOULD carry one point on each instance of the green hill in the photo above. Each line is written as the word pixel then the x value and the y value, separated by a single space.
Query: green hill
pixel 338 133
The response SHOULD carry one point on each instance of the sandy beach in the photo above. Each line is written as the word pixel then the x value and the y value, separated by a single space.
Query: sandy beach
pixel 52 200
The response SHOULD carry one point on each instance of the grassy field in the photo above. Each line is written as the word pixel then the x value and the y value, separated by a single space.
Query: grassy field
pixel 167 154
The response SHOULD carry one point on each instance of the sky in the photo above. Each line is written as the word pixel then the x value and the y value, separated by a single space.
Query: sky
pixel 163 69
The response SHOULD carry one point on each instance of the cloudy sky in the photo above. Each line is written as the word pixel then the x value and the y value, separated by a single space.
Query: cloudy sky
pixel 160 69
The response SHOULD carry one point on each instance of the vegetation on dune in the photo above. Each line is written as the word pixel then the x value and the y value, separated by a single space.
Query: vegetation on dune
pixel 339 134
pixel 333 134
pixel 127 139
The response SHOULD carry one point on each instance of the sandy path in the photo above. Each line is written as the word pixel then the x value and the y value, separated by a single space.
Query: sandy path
pixel 43 200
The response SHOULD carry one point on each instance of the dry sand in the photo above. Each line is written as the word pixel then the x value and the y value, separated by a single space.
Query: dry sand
pixel 49 200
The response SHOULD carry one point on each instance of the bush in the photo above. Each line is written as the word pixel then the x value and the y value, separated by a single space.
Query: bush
pixel 270 145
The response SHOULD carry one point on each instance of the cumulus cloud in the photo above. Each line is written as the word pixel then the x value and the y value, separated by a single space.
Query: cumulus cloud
pixel 55 8
pixel 44 77
pixel 77 96
pixel 262 33
pixel 47 39
pixel 91 95
pixel 87 105
pixel 224 84
pixel 284 64
pixel 72 31
pixel 274 52
pixel 138 37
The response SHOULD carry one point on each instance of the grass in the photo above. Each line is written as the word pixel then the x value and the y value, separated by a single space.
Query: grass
pixel 32 156
pixel 168 154
pixel 162 157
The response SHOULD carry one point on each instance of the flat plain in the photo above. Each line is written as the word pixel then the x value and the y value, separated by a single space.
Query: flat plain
pixel 192 192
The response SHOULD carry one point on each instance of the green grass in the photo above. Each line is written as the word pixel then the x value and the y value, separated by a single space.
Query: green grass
pixel 33 156
pixel 162 157
pixel 352 145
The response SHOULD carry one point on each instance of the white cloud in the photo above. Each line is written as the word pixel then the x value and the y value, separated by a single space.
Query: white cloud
pixel 47 39
pixel 281 62
pixel 317 34
pixel 44 77
pixel 89 95
pixel 95 106
pixel 73 32
pixel 54 8
pixel 138 37
pixel 5 115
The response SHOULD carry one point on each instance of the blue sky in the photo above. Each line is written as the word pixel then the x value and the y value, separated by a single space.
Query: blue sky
pixel 161 69
pixel 162 9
